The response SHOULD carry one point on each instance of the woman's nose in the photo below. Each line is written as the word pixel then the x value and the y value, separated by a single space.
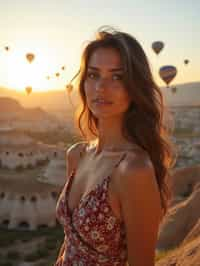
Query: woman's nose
pixel 102 84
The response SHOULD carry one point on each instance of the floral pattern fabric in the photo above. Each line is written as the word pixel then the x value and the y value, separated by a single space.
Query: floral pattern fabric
pixel 94 236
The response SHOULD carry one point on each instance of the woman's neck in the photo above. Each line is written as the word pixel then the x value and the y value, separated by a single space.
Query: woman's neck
pixel 110 137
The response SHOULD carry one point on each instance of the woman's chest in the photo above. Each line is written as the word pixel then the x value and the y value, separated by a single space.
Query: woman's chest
pixel 94 177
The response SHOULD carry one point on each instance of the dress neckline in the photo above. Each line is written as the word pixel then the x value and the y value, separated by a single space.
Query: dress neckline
pixel 93 190
pixel 96 187
pixel 90 147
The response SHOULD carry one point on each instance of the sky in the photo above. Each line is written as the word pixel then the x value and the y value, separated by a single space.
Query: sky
pixel 56 31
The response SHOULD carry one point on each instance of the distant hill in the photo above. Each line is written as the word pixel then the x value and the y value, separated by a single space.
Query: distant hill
pixel 51 100
pixel 10 107
pixel 187 94
pixel 8 104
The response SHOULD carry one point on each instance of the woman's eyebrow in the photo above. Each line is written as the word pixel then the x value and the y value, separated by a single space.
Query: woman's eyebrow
pixel 110 70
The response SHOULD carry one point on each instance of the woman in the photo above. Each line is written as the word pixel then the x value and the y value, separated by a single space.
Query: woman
pixel 117 192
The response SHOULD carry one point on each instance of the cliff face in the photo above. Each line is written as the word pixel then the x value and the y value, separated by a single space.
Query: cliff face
pixel 9 105
pixel 12 106
pixel 14 116
pixel 180 229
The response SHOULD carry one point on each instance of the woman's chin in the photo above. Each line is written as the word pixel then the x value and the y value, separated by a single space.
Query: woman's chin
pixel 101 114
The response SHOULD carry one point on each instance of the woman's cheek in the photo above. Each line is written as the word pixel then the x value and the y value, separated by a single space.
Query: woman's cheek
pixel 89 86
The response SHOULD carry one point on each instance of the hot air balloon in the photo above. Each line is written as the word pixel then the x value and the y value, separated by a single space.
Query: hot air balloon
pixel 167 73
pixel 157 46
pixel 63 67
pixel 48 77
pixel 57 74
pixel 69 88
pixel 7 48
pixel 30 57
pixel 28 89
pixel 186 61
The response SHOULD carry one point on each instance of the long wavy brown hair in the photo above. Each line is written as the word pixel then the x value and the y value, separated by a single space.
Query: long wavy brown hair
pixel 143 122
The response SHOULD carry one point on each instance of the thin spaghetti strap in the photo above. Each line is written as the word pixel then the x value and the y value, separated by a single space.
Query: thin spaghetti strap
pixel 121 159
pixel 83 150
pixel 108 178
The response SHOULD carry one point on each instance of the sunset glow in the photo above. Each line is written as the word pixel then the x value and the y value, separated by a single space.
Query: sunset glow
pixel 58 33
pixel 21 73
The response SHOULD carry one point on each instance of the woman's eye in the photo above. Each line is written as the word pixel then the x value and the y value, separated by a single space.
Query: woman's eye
pixel 117 77
pixel 91 75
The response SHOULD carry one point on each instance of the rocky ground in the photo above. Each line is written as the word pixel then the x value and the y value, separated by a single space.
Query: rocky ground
pixel 180 230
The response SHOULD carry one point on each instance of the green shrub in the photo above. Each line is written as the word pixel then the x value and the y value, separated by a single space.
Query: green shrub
pixel 31 257
pixel 36 255
pixel 50 244
pixel 19 168
pixel 13 255
pixel 43 264
pixel 6 263
pixel 30 166
pixel 26 239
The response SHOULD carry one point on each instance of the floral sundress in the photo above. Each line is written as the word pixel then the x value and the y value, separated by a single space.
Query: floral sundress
pixel 94 236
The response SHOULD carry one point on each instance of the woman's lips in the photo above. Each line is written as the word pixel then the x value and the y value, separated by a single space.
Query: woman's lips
pixel 102 102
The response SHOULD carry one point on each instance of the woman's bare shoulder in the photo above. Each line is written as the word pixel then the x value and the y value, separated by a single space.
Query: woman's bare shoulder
pixel 74 152
pixel 139 157
pixel 76 148
pixel 137 179
pixel 136 160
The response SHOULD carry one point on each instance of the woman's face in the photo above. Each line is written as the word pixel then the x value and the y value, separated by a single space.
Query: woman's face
pixel 105 92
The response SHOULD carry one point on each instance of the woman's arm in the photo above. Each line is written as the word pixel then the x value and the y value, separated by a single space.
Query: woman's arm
pixel 141 210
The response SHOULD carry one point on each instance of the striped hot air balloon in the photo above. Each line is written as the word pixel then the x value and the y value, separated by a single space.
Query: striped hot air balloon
pixel 167 73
